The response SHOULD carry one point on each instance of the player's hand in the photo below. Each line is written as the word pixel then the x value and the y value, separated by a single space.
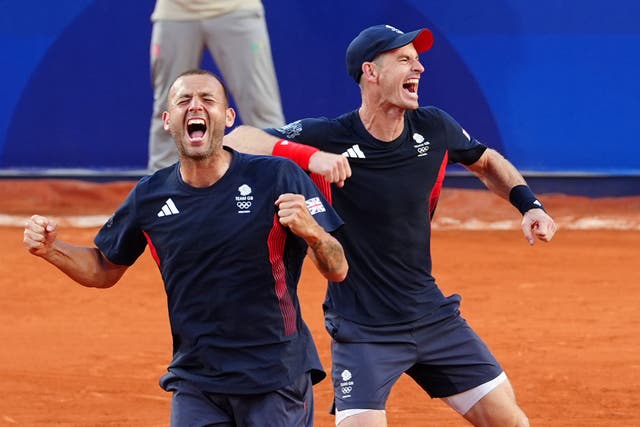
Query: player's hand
pixel 39 235
pixel 293 213
pixel 334 167
pixel 537 223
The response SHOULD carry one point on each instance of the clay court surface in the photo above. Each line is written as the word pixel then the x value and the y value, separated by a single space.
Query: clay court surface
pixel 562 317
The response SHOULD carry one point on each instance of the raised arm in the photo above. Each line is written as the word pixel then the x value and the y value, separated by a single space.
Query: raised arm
pixel 502 178
pixel 84 264
pixel 333 167
pixel 250 140
pixel 324 250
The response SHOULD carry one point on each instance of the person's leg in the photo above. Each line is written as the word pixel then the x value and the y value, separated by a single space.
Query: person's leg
pixel 240 46
pixel 497 408
pixel 361 418
pixel 176 46
pixel 192 407
pixel 363 375
pixel 289 406
pixel 457 366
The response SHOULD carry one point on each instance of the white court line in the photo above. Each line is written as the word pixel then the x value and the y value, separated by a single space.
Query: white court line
pixel 570 223
pixel 440 223
pixel 80 221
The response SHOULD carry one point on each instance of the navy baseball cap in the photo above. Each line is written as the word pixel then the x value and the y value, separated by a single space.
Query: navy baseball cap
pixel 372 41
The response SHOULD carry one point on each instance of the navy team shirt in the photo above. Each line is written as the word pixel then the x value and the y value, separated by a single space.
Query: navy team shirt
pixel 387 205
pixel 230 271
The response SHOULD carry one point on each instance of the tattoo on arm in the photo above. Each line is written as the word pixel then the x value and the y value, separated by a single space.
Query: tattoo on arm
pixel 328 256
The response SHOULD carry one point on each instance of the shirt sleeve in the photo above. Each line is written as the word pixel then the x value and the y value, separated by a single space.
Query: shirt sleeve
pixel 120 239
pixel 311 132
pixel 462 147
pixel 295 180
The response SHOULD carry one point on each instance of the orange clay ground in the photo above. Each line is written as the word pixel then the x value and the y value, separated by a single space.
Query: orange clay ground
pixel 562 317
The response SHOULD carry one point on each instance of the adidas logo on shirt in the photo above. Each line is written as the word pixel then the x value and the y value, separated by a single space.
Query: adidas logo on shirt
pixel 169 208
pixel 354 152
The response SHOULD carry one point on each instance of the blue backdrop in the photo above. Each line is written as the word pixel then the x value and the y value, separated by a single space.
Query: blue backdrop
pixel 553 85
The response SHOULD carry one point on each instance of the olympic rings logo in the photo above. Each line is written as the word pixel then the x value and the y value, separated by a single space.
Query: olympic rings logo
pixel 243 205
pixel 347 390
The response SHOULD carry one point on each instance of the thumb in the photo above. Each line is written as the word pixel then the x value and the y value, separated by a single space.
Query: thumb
pixel 527 229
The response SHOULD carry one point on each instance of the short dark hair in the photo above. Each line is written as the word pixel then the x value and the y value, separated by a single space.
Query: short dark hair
pixel 201 72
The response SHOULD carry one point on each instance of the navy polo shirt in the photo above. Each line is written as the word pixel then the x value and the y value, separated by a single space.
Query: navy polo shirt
pixel 387 206
pixel 230 270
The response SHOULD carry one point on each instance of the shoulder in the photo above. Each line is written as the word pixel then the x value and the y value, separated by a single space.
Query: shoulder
pixel 429 112
pixel 158 179
pixel 310 127
pixel 433 117
pixel 267 165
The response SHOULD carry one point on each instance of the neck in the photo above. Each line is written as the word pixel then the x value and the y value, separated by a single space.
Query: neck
pixel 205 172
pixel 384 123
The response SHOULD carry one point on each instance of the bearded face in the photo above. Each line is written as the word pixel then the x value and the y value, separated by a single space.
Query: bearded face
pixel 197 115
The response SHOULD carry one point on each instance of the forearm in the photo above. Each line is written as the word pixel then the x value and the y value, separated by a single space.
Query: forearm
pixel 325 251
pixel 251 140
pixel 501 177
pixel 334 168
pixel 497 173
pixel 328 256
pixel 85 265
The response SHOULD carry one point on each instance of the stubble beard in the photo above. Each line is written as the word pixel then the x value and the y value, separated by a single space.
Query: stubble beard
pixel 212 144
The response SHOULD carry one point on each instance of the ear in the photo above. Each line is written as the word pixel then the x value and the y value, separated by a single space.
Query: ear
pixel 369 71
pixel 230 117
pixel 165 121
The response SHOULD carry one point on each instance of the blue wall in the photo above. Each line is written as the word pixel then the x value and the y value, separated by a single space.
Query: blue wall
pixel 552 84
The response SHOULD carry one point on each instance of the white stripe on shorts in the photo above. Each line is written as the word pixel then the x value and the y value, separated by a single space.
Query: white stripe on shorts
pixel 341 415
pixel 464 401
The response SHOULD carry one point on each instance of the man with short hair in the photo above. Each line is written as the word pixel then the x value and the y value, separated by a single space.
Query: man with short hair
pixel 235 33
pixel 387 161
pixel 229 232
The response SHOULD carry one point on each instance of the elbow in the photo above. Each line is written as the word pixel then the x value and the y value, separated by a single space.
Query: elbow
pixel 107 274
pixel 338 274
pixel 102 285
pixel 95 282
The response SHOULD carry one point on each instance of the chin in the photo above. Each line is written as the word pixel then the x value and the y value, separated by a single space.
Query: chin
pixel 411 105
pixel 193 153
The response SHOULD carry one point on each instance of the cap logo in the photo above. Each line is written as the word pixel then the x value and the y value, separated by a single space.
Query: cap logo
pixel 394 29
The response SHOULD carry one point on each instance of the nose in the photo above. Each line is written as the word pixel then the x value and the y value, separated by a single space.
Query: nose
pixel 417 66
pixel 195 104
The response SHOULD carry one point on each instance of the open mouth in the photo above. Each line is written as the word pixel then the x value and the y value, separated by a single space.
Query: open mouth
pixel 411 85
pixel 196 128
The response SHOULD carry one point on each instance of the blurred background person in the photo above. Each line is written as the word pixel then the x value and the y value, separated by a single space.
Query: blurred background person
pixel 235 33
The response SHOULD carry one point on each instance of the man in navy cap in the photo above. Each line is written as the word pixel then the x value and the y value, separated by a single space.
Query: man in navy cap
pixel 386 162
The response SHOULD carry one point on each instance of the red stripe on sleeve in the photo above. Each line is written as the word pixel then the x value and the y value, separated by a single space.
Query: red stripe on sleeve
pixel 275 243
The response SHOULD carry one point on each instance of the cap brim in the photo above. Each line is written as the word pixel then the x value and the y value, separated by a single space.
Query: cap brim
pixel 423 41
